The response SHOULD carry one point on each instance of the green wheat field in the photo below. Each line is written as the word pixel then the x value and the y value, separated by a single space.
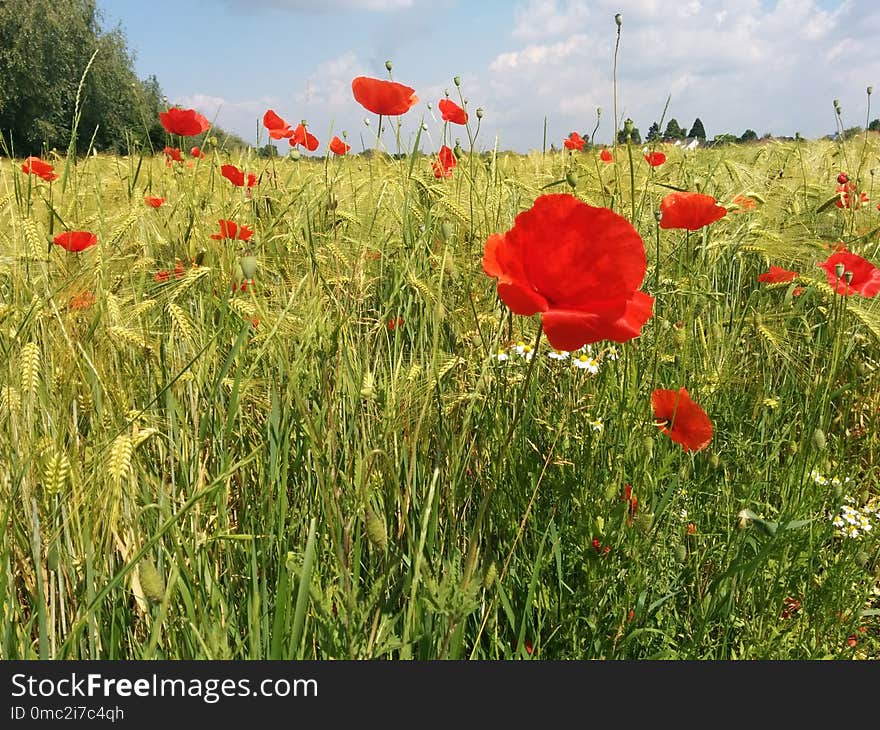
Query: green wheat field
pixel 335 441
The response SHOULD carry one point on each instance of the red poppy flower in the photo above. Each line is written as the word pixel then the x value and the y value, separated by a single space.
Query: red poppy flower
pixel 743 203
pixel 278 128
pixel 452 112
pixel 35 166
pixel 849 197
pixel 778 275
pixel 606 156
pixel 689 210
pixel 178 270
pixel 172 153
pixel 75 241
pixel 579 265
pixel 232 231
pixel 843 178
pixel 865 276
pixel 338 147
pixel 236 176
pixel 681 419
pixel 387 98
pixel 655 159
pixel 83 300
pixel 185 122
pixel 154 202
pixel 574 142
pixel 162 275
pixel 196 152
pixel 395 323
pixel 445 163
pixel 302 137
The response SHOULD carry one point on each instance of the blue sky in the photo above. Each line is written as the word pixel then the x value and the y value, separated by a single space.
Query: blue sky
pixel 770 66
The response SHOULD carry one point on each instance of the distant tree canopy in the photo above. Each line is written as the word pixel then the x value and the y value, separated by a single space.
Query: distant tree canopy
pixel 874 126
pixel 750 135
pixel 697 130
pixel 673 131
pixel 45 47
pixel 635 136
pixel 653 132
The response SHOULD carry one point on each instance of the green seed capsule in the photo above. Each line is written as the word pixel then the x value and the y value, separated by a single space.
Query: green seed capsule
pixel 248 266
pixel 489 575
pixel 376 530
pixel 151 581
pixel 715 461
pixel 819 439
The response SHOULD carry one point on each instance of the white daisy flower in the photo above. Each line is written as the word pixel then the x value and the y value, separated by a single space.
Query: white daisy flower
pixel 559 354
pixel 586 362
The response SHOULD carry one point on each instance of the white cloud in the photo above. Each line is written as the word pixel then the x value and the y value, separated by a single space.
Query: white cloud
pixel 540 19
pixel 539 55
pixel 323 6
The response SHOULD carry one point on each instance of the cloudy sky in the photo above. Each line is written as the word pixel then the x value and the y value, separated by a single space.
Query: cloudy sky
pixel 737 64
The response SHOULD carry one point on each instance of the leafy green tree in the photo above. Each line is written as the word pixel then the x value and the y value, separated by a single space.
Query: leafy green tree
pixel 653 132
pixel 673 131
pixel 636 137
pixel 874 126
pixel 750 135
pixel 697 130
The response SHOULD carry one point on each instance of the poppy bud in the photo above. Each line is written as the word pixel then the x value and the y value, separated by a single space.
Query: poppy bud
pixel 457 80
pixel 715 461
pixel 848 276
pixel 598 111
pixel 681 553
pixel 457 150
pixel 388 65
pixel 658 214
pixel 863 560
pixel 151 581
pixel 836 104
pixel 366 121
pixel 819 439
pixel 480 116
pixel 200 257
pixel 447 229
pixel 571 180
pixel 446 92
pixel 376 530
pixel 618 18
pixel 628 126
pixel 249 266
pixel 870 90
pixel 648 443
pixel 839 269
pixel 489 575
pixel 294 154
pixel 843 178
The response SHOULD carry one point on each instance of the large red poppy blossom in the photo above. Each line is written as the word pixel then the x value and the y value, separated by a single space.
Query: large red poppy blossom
pixel 338 147
pixel 452 112
pixel 35 166
pixel 278 128
pixel 185 122
pixel 778 275
pixel 236 176
pixel 154 202
pixel 865 276
pixel 301 136
pixel 574 142
pixel 445 163
pixel 606 156
pixel 689 210
pixel 232 231
pixel 681 419
pixel 387 98
pixel 580 266
pixel 655 159
pixel 75 241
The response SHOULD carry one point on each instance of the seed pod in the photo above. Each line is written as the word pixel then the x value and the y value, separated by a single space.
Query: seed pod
pixel 681 553
pixel 248 266
pixel 715 461
pixel 489 575
pixel 376 530
pixel 648 444
pixel 819 439
pixel 151 581
pixel 571 179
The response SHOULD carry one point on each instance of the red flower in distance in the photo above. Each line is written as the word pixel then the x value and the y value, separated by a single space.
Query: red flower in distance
pixel 196 152
pixel 689 210
pixel 743 203
pixel 236 176
pixel 865 276
pixel 778 275
pixel 154 202
pixel 452 112
pixel 395 323
pixel 338 147
pixel 606 156
pixel 172 153
pixel 445 163
pixel 681 419
pixel 843 178
pixel 35 166
pixel 75 241
pixel 655 159
pixel 185 122
pixel 232 231
pixel 278 128
pixel 387 98
pixel 580 266
pixel 301 136
pixel 574 142
pixel 849 197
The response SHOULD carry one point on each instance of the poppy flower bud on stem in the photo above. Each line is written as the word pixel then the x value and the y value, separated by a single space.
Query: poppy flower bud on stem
pixel 870 90
pixel 571 180
pixel 388 66
pixel 838 270
pixel 618 18
pixel 457 81
pixel 480 116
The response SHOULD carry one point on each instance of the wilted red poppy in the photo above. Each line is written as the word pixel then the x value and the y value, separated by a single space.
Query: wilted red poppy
pixel 387 98
pixel 574 142
pixel 778 275
pixel 579 265
pixel 196 152
pixel 35 166
pixel 606 156
pixel 689 210
pixel 172 153
pixel 681 419
pixel 75 241
pixel 154 202
pixel 452 112
pixel 278 128
pixel 655 159
pixel 185 122
pixel 865 276
pixel 236 176
pixel 445 163
pixel 303 137
pixel 338 147
pixel 743 204
pixel 232 231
